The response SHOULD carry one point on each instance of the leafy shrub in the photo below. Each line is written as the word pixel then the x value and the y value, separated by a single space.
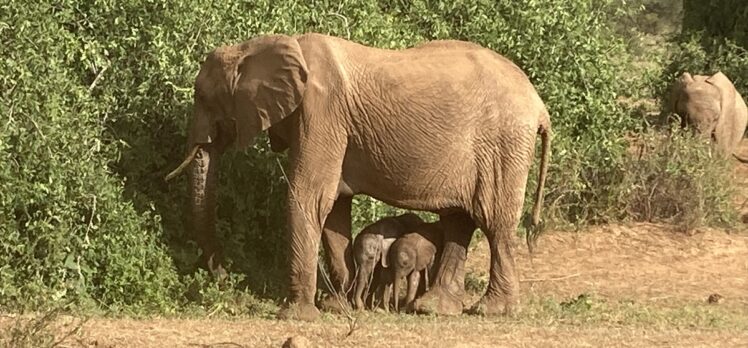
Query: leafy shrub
pixel 714 38
pixel 678 178
pixel 717 18
pixel 66 233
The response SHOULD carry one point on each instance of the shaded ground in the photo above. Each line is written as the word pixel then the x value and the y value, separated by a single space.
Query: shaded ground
pixel 641 285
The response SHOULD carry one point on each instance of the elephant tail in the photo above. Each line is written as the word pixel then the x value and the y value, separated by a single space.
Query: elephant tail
pixel 544 129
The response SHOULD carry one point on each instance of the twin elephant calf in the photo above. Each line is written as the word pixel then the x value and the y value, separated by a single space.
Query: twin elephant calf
pixel 390 250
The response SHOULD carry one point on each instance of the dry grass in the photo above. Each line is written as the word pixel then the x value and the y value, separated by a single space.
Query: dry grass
pixel 626 286
pixel 382 330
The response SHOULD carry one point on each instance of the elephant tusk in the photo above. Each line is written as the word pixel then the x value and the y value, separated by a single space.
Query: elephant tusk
pixel 184 164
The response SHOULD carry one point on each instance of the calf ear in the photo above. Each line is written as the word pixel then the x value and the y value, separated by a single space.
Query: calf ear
pixel 386 244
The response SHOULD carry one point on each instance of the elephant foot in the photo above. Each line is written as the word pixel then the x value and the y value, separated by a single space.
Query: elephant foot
pixel 335 304
pixel 299 311
pixel 494 305
pixel 438 301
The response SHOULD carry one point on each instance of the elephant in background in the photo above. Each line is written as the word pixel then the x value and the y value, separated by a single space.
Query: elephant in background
pixel 447 127
pixel 411 256
pixel 372 246
pixel 713 107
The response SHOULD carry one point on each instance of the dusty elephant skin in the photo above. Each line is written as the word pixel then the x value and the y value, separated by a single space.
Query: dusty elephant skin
pixel 712 106
pixel 411 256
pixel 372 246
pixel 447 127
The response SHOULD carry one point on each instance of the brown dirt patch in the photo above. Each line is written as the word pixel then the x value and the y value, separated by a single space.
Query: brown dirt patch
pixel 470 332
pixel 645 262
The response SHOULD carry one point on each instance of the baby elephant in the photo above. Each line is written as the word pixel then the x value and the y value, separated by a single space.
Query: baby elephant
pixel 412 254
pixel 372 245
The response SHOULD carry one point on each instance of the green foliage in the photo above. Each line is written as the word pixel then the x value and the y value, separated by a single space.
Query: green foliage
pixel 678 178
pixel 714 38
pixel 717 18
pixel 699 54
pixel 65 230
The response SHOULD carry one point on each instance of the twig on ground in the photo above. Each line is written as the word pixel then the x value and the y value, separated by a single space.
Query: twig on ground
pixel 72 332
pixel 535 280
pixel 210 345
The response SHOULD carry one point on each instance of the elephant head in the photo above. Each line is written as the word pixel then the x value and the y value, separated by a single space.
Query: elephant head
pixel 240 91
pixel 712 106
pixel 698 102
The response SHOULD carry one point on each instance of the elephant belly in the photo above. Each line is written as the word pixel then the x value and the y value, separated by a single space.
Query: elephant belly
pixel 424 183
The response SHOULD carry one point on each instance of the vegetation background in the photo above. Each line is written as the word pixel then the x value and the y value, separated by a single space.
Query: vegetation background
pixel 95 97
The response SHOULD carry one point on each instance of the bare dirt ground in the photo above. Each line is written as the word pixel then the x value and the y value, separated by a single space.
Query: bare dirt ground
pixel 639 285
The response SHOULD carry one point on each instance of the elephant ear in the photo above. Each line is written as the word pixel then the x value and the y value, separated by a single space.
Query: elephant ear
pixel 386 244
pixel 727 92
pixel 728 109
pixel 269 85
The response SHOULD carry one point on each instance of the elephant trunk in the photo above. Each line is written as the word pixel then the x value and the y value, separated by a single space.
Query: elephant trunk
pixel 361 284
pixel 396 289
pixel 202 181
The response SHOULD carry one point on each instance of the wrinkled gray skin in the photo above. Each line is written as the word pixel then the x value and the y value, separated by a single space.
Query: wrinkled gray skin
pixel 411 256
pixel 372 245
pixel 447 127
pixel 712 106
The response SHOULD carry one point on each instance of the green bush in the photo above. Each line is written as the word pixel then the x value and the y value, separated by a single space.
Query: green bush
pixel 714 38
pixel 66 232
pixel 717 18
pixel 678 178
pixel 96 96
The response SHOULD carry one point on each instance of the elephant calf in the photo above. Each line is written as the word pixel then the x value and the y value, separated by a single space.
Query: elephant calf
pixel 371 246
pixel 410 256
pixel 712 106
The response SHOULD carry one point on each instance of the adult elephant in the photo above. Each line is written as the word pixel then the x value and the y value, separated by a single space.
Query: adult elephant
pixel 447 127
pixel 713 107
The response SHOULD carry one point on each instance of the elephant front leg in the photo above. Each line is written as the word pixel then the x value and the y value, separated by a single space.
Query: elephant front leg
pixel 445 295
pixel 305 238
pixel 336 238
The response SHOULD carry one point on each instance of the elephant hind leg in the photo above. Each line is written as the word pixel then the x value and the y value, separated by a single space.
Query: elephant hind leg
pixel 501 296
pixel 501 212
pixel 448 283
pixel 336 239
